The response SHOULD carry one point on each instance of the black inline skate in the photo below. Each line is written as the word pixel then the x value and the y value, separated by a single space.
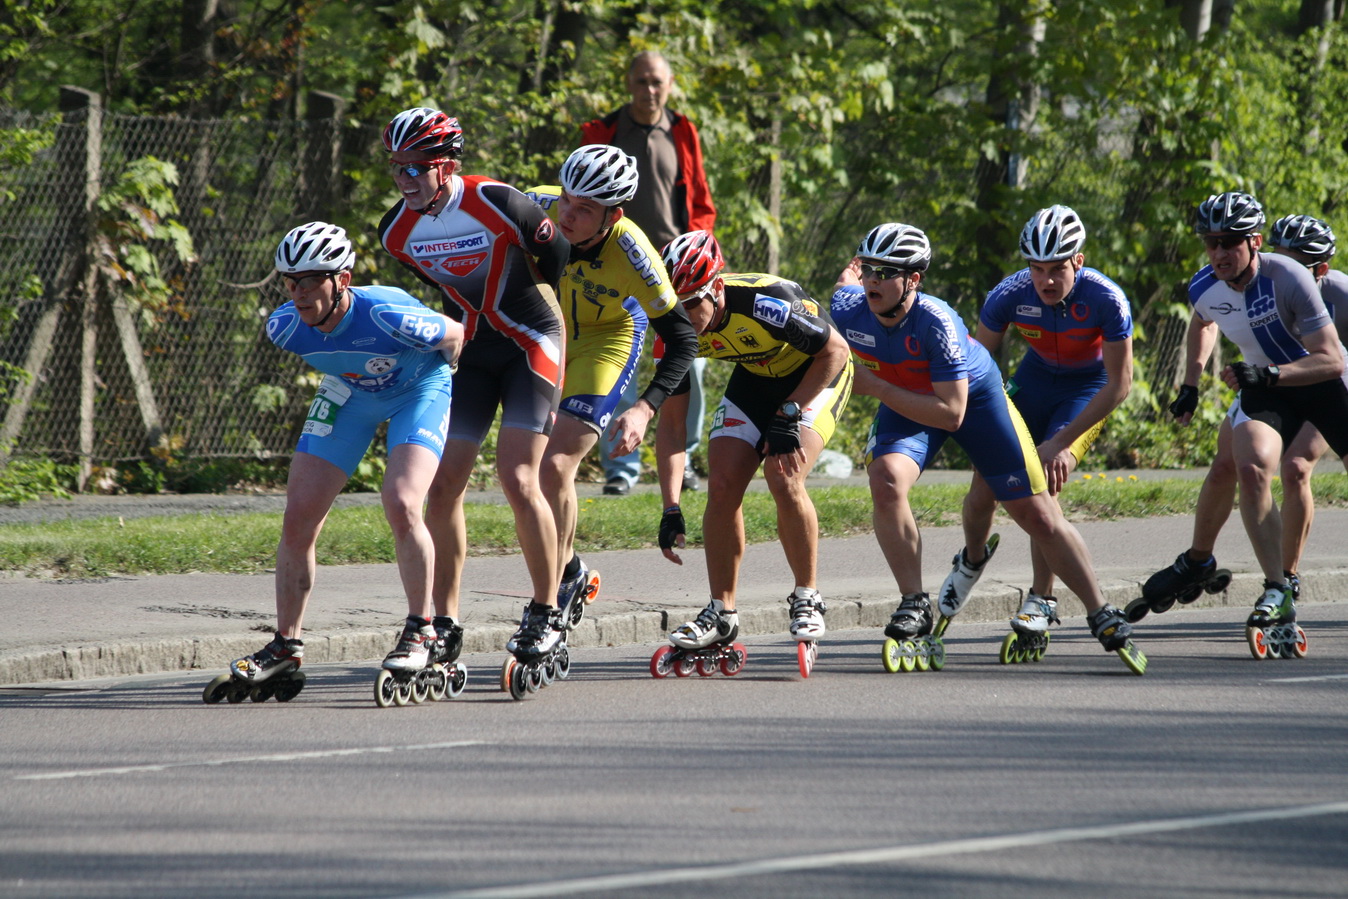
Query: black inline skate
pixel 422 665
pixel 910 644
pixel 705 645
pixel 539 656
pixel 1271 629
pixel 274 670
pixel 577 592
pixel 1029 637
pixel 1182 582
pixel 1111 628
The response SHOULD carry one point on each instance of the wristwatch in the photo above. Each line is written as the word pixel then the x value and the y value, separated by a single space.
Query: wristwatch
pixel 1273 374
pixel 790 410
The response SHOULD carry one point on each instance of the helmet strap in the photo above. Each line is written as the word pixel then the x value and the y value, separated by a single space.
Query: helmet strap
pixel 341 297
pixel 898 307
pixel 444 180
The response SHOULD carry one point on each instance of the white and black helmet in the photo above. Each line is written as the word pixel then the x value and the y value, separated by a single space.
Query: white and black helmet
pixel 602 173
pixel 1052 235
pixel 902 245
pixel 1304 234
pixel 315 247
pixel 1233 212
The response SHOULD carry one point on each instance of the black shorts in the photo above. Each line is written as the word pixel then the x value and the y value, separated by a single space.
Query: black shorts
pixel 1286 409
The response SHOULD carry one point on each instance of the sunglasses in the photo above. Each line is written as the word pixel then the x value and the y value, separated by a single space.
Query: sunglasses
pixel 1225 241
pixel 414 169
pixel 883 272
pixel 693 300
pixel 308 282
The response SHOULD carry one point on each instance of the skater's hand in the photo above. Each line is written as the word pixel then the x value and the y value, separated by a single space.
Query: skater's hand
pixel 1185 403
pixel 1239 375
pixel 628 429
pixel 672 530
pixel 1057 466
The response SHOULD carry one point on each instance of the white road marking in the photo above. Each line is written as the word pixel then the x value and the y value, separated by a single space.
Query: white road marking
pixel 883 855
pixel 1307 680
pixel 280 757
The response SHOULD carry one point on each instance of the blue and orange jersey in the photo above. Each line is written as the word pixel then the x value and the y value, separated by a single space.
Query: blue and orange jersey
pixel 1068 337
pixel 930 343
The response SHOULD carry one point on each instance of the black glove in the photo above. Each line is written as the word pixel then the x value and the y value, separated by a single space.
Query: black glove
pixel 671 527
pixel 1248 375
pixel 1186 401
pixel 783 437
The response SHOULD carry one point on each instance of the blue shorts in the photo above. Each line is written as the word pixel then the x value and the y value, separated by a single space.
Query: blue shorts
pixel 993 434
pixel 1050 402
pixel 342 422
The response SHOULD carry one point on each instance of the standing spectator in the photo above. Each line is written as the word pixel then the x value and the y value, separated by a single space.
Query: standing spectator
pixel 673 198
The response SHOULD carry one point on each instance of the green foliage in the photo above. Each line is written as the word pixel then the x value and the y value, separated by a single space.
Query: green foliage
pixel 134 218
pixel 25 479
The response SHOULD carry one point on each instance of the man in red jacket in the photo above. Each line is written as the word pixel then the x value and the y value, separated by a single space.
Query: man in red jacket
pixel 673 198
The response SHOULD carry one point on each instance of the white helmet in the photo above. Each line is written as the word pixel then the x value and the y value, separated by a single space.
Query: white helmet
pixel 602 173
pixel 903 245
pixel 315 247
pixel 1304 234
pixel 1052 235
pixel 1233 212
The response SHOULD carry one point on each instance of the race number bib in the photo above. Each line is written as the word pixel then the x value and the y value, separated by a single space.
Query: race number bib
pixel 332 395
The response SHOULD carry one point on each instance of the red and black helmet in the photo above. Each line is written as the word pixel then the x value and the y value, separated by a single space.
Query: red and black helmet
pixel 693 260
pixel 424 130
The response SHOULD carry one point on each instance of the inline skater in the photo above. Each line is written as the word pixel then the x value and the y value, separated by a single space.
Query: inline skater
pixel 613 287
pixel 791 380
pixel 496 258
pixel 1293 373
pixel 385 357
pixel 1077 368
pixel 914 354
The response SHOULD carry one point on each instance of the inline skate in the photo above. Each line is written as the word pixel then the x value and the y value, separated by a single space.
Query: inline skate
pixel 705 645
pixel 910 643
pixel 422 665
pixel 577 592
pixel 960 583
pixel 1182 582
pixel 539 656
pixel 1271 629
pixel 274 670
pixel 1029 637
pixel 807 625
pixel 1111 628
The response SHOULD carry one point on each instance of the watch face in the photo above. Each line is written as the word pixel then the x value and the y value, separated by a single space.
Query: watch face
pixel 791 410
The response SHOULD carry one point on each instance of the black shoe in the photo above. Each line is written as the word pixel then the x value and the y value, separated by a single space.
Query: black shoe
pixel 617 487
pixel 691 481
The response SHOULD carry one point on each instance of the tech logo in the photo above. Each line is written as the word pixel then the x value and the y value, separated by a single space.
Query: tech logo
pixel 458 266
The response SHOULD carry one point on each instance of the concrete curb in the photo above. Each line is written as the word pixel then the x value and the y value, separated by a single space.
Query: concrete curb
pixel 597 629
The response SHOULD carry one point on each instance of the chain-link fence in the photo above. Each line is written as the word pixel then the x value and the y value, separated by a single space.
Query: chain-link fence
pixel 189 370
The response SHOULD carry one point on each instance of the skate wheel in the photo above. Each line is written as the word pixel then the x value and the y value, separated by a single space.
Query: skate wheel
pixel 420 688
pixel 889 655
pixel 437 682
pixel 563 658
pixel 259 693
pixel 516 681
pixel 1042 649
pixel 908 655
pixel 385 689
pixel 1136 610
pixel 706 667
pixel 1008 652
pixel 941 624
pixel 732 661
pixel 402 693
pixel 291 686
pixel 533 678
pixel 1220 580
pixel 506 668
pixel 1133 658
pixel 922 660
pixel 236 692
pixel 1258 642
pixel 1299 644
pixel 217 689
pixel 662 663
pixel 591 588
pixel 937 654
pixel 456 680
pixel 806 652
pixel 575 613
pixel 548 670
pixel 684 666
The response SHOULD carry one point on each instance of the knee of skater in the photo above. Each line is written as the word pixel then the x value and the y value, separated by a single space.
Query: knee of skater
pixel 1254 476
pixel 1296 471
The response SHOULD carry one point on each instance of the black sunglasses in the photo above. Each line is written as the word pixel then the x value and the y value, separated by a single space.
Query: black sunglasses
pixel 1225 241
pixel 883 272
pixel 414 169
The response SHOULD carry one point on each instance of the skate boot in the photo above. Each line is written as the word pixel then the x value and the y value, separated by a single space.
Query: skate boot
pixel 450 635
pixel 271 671
pixel 538 652
pixel 414 647
pixel 1182 582
pixel 540 631
pixel 1271 629
pixel 960 582
pixel 910 644
pixel 1294 581
pixel 576 592
pixel 1029 637
pixel 1111 628
pixel 807 625
pixel 705 645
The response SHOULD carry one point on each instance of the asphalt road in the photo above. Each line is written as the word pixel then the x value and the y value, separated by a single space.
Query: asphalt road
pixel 1214 775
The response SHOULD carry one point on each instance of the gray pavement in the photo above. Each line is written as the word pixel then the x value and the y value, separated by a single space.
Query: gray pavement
pixel 72 630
